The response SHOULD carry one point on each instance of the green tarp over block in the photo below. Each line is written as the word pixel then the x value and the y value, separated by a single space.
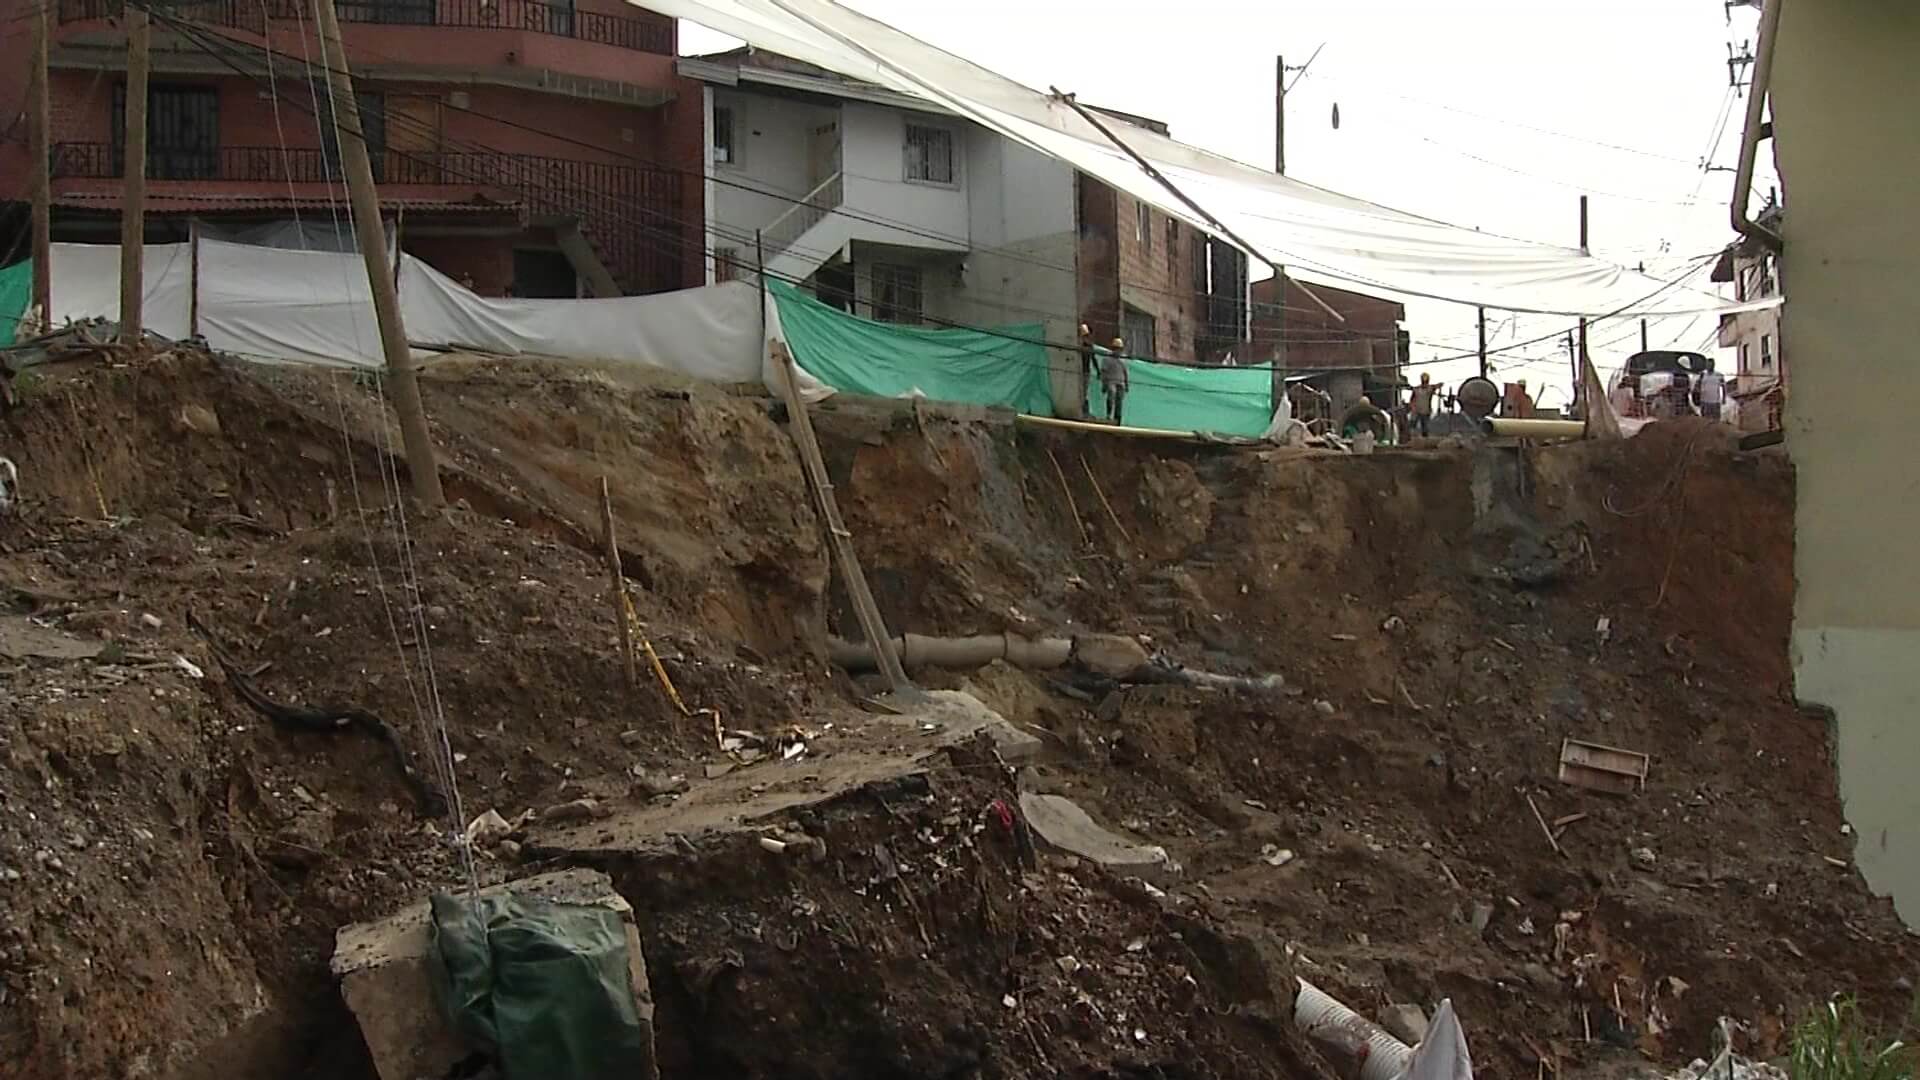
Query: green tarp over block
pixel 16 290
pixel 861 356
pixel 1214 400
pixel 544 987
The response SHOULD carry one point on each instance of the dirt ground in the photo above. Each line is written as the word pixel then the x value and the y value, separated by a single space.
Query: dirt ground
pixel 174 865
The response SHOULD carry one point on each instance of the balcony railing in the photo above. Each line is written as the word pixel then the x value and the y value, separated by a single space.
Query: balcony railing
pixel 248 15
pixel 632 213
pixel 539 16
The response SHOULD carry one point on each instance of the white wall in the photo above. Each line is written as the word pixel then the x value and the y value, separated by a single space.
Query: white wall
pixel 1844 83
pixel 874 152
pixel 771 138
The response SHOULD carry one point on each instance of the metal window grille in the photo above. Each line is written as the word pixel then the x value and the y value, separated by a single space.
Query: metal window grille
pixel 897 295
pixel 183 132
pixel 723 147
pixel 930 155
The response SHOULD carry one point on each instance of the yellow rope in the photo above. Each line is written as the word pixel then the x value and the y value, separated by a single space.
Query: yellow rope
pixel 653 658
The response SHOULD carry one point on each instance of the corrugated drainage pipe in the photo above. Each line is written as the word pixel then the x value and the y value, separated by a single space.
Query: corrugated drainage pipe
pixel 1377 1054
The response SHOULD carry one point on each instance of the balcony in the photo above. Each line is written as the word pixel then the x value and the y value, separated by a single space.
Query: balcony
pixel 632 214
pixel 555 19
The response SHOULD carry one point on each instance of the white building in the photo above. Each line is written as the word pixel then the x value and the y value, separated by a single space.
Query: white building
pixel 890 210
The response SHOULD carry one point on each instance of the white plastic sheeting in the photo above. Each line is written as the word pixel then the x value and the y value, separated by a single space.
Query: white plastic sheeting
pixel 314 307
pixel 1316 233
pixel 86 285
pixel 303 307
pixel 711 333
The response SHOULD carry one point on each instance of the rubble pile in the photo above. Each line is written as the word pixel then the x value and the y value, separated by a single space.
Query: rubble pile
pixel 1471 742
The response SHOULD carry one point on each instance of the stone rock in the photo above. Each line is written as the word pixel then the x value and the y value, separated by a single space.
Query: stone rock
pixel 1109 654
pixel 384 976
pixel 577 810
pixel 1408 1023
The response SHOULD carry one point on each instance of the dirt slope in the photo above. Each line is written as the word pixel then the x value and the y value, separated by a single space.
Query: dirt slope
pixel 183 863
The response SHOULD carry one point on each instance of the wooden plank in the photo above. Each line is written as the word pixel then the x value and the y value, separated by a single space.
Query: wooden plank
pixel 864 608
pixel 1602 768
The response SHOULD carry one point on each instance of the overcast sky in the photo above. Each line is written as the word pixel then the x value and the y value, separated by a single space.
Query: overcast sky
pixel 1489 113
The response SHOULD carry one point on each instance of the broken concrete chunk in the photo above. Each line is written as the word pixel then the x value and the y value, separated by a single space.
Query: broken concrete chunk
pixel 577 810
pixel 1063 825
pixel 384 975
pixel 1407 1022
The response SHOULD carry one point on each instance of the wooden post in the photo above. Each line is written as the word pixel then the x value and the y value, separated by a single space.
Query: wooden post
pixel 372 240
pixel 193 277
pixel 871 624
pixel 40 151
pixel 619 588
pixel 1483 343
pixel 1579 385
pixel 133 203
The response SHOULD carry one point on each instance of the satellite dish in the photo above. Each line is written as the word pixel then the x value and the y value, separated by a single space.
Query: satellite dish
pixel 1336 116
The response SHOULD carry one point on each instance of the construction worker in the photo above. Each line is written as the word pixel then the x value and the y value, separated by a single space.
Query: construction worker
pixel 1421 408
pixel 1113 379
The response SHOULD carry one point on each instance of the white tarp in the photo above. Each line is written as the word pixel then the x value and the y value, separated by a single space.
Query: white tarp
pixel 306 307
pixel 711 333
pixel 1315 233
pixel 314 307
pixel 86 285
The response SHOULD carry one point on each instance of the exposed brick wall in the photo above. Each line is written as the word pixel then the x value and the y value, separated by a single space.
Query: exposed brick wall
pixel 488 260
pixel 1099 258
pixel 1316 340
pixel 669 136
pixel 1156 276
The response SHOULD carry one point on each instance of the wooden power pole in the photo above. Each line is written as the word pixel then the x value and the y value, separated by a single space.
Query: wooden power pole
pixel 371 237
pixel 133 204
pixel 1579 380
pixel 1483 343
pixel 40 123
pixel 1280 115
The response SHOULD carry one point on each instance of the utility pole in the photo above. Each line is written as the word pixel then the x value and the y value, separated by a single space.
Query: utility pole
pixel 1579 380
pixel 372 239
pixel 40 121
pixel 1483 343
pixel 133 204
pixel 1643 335
pixel 1280 115
pixel 1280 319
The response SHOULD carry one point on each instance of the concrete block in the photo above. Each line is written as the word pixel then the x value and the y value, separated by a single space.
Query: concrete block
pixel 1408 1023
pixel 384 977
pixel 1061 824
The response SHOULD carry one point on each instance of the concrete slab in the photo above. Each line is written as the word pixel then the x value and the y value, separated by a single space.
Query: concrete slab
pixel 384 977
pixel 861 748
pixel 1061 824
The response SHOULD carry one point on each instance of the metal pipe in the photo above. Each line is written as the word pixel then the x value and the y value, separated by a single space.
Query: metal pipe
pixel 1750 134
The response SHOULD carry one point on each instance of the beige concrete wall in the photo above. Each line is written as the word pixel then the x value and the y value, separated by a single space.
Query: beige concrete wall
pixel 1845 82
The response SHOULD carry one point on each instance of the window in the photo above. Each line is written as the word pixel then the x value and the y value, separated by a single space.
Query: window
pixel 1136 327
pixel 930 155
pixel 183 132
pixel 391 12
pixel 726 264
pixel 1766 352
pixel 1173 239
pixel 1746 358
pixel 725 150
pixel 897 297
pixel 373 123
pixel 1143 226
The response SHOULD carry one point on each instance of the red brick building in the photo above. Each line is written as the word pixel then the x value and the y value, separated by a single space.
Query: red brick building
pixel 1166 288
pixel 542 148
pixel 1362 353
